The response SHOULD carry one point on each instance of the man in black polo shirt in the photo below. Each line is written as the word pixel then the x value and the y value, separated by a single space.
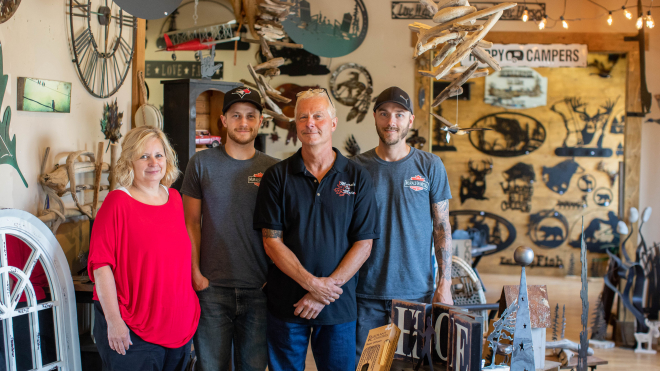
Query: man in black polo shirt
pixel 318 216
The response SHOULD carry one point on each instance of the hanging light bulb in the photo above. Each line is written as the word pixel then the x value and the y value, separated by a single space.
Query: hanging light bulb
pixel 609 19
pixel 626 12
pixel 542 24
pixel 563 22
pixel 525 16
pixel 640 22
pixel 649 20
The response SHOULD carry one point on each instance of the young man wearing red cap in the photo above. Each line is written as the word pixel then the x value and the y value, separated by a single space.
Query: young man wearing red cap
pixel 412 193
pixel 229 264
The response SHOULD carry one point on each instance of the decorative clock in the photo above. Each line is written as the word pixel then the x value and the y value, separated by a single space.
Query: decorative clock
pixel 102 40
pixel 7 9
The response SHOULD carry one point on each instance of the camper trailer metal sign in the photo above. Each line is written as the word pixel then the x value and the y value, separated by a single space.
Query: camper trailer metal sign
pixel 535 55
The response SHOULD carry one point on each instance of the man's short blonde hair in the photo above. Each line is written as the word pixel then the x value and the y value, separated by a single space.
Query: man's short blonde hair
pixel 313 93
pixel 133 147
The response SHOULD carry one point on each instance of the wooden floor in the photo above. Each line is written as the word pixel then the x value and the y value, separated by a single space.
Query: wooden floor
pixel 565 291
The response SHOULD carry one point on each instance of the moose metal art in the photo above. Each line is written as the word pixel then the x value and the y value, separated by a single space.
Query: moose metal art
pixel 558 177
pixel 586 183
pixel 582 128
pixel 474 185
pixel 513 134
pixel 520 192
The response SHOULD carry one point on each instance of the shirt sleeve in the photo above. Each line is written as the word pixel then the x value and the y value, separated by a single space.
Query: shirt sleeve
pixel 440 190
pixel 269 210
pixel 103 241
pixel 364 223
pixel 192 186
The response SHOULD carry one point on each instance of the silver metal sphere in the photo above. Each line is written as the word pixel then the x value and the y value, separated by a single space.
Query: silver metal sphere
pixel 523 255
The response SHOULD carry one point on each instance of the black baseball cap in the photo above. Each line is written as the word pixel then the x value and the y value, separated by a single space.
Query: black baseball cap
pixel 242 94
pixel 396 95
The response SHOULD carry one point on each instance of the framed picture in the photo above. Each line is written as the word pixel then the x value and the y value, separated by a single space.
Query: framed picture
pixel 38 95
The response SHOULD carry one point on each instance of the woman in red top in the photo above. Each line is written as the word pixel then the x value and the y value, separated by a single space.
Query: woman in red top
pixel 140 259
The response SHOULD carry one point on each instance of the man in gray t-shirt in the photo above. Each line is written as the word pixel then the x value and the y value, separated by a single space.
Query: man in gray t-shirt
pixel 412 193
pixel 229 264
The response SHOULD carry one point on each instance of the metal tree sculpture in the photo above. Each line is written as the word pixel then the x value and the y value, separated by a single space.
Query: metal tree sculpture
pixel 584 341
pixel 522 357
pixel 507 322
pixel 598 324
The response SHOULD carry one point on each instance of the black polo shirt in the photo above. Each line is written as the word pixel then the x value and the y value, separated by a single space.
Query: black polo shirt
pixel 320 222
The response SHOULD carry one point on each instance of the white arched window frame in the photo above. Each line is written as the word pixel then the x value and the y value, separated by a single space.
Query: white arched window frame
pixel 47 250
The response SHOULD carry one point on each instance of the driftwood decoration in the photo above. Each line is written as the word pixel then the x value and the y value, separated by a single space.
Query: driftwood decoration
pixel 62 181
pixel 455 37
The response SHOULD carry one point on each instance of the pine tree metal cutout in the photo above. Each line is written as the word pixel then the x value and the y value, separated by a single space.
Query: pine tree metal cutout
pixel 523 351
pixel 584 295
pixel 563 322
pixel 7 146
pixel 506 324
pixel 598 324
pixel 554 323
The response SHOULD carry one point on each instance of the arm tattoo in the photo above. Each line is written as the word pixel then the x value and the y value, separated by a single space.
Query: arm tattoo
pixel 442 237
pixel 271 233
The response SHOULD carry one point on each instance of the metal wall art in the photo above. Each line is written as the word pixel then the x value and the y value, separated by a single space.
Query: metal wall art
pixel 484 228
pixel 573 204
pixel 352 146
pixel 584 295
pixel 415 140
pixel 619 149
pixel 612 174
pixel 603 196
pixel 558 177
pixel 516 88
pixel 111 122
pixel 586 183
pixel 440 144
pixel 312 24
pixel 605 68
pixel 7 143
pixel 301 62
pixel 351 85
pixel 513 134
pixel 582 127
pixel 520 192
pixel 600 235
pixel 474 185
pixel 618 125
pixel 548 228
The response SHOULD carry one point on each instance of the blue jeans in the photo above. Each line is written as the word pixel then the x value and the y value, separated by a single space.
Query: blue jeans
pixel 141 355
pixel 373 313
pixel 332 345
pixel 231 315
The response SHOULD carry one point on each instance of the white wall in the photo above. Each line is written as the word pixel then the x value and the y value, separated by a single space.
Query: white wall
pixel 35 45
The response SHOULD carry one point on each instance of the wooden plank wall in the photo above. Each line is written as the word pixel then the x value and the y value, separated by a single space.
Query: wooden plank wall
pixel 562 82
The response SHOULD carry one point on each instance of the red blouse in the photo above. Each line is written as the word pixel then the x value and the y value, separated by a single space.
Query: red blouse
pixel 148 249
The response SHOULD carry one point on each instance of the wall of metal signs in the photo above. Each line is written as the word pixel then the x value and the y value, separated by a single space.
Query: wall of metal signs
pixel 532 177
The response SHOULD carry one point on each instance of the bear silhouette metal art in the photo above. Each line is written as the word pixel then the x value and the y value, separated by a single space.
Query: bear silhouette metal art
pixel 583 127
pixel 548 229
pixel 484 228
pixel 519 187
pixel 600 235
pixel 558 177
pixel 512 134
pixel 474 185
pixel 603 196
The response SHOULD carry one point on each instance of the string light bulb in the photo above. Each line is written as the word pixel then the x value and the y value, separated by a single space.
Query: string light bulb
pixel 609 19
pixel 525 16
pixel 563 22
pixel 626 12
pixel 640 22
pixel 542 23
pixel 649 20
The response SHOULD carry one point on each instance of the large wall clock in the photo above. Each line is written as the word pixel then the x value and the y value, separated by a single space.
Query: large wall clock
pixel 102 40
pixel 8 8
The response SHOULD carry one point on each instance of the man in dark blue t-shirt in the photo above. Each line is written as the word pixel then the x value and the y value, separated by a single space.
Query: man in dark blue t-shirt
pixel 413 195
pixel 318 217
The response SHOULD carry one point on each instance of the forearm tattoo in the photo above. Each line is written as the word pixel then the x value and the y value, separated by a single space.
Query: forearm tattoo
pixel 442 237
pixel 270 233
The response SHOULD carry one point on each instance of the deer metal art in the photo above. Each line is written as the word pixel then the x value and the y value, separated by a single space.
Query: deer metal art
pixel 474 186
pixel 581 127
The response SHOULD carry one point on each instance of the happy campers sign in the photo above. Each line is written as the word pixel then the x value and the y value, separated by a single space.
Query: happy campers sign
pixel 535 55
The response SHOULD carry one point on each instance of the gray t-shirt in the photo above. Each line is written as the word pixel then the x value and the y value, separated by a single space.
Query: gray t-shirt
pixel 401 265
pixel 231 252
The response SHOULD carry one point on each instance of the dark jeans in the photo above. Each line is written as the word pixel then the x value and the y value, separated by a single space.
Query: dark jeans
pixel 332 345
pixel 231 315
pixel 373 313
pixel 141 355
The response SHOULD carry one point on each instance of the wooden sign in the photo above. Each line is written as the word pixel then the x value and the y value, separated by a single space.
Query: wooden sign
pixel 442 323
pixel 177 70
pixel 468 344
pixel 409 317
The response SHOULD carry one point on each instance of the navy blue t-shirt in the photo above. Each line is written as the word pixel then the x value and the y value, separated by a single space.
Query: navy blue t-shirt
pixel 320 222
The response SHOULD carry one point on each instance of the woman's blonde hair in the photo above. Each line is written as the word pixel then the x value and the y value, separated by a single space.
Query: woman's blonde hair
pixel 132 148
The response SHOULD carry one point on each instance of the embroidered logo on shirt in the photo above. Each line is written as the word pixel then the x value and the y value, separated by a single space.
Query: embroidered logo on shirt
pixel 243 92
pixel 345 189
pixel 255 179
pixel 416 183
